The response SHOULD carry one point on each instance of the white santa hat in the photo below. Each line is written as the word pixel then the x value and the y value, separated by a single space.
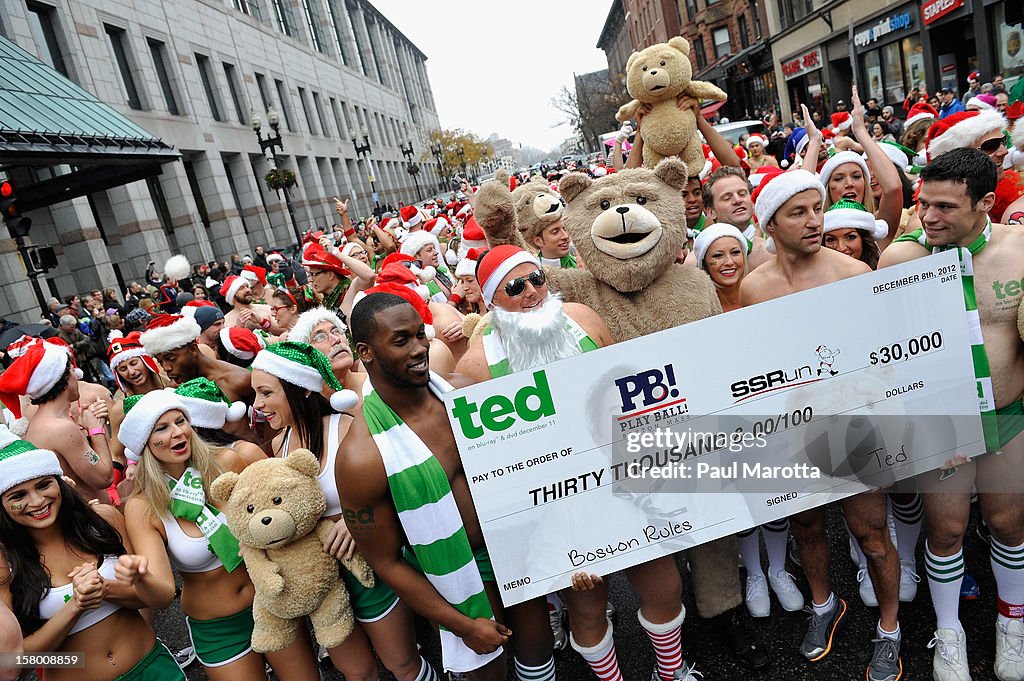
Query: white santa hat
pixel 467 266
pixel 140 416
pixel 21 461
pixel 33 374
pixel 416 241
pixel 980 103
pixel 960 130
pixel 168 332
pixel 776 190
pixel 847 214
pixel 302 332
pixel 713 233
pixel 839 159
pixel 230 287
pixel 495 264
pixel 755 139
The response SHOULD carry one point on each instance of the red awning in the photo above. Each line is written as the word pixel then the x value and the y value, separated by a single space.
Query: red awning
pixel 709 110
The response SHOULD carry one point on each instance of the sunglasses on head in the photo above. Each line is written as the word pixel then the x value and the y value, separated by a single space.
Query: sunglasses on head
pixel 516 287
pixel 991 146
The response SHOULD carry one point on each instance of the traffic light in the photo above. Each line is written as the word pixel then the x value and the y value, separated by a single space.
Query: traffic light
pixel 8 202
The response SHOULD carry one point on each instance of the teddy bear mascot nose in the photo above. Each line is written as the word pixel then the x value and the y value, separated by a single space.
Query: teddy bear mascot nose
pixel 266 520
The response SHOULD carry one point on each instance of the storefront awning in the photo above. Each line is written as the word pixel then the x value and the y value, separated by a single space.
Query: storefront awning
pixel 708 111
pixel 746 54
pixel 713 70
pixel 46 121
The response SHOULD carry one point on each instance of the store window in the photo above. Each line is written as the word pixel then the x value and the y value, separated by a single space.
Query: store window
pixel 913 59
pixel 873 70
pixel 1010 46
pixel 893 63
pixel 892 70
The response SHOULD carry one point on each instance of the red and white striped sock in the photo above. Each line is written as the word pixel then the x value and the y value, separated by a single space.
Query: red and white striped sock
pixel 602 658
pixel 668 642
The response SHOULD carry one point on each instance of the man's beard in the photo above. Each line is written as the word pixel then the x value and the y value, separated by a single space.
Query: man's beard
pixel 536 337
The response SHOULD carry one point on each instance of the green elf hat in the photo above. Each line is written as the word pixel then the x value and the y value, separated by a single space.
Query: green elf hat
pixel 847 214
pixel 21 461
pixel 901 156
pixel 209 406
pixel 303 365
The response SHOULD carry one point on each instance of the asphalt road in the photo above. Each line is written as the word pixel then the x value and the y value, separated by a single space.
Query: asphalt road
pixel 781 633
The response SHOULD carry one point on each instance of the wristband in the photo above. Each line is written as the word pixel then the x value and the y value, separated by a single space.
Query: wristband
pixel 118 466
pixel 265 325
pixel 455 299
pixel 97 431
pixel 349 232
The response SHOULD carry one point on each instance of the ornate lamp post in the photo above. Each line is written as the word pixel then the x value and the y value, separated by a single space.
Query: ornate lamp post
pixel 414 167
pixel 361 150
pixel 272 142
pixel 438 151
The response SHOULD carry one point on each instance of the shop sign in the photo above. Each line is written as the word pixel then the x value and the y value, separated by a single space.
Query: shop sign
pixel 936 9
pixel 891 24
pixel 805 63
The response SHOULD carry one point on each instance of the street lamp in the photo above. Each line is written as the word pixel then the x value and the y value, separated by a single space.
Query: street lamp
pixel 270 143
pixel 361 150
pixel 413 168
pixel 461 151
pixel 438 151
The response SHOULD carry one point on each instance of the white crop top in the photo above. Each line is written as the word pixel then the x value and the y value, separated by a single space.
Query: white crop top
pixel 189 554
pixel 328 483
pixel 57 596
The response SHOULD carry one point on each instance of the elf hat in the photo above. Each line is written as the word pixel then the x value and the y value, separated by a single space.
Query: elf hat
pixel 126 348
pixel 839 159
pixel 231 286
pixel 254 273
pixel 302 332
pixel 141 412
pixel 713 233
pixel 169 332
pixel 467 266
pixel 417 241
pixel 495 264
pixel 473 235
pixel 776 190
pixel 922 111
pixel 960 130
pixel 411 216
pixel 414 296
pixel 847 214
pixel 21 461
pixel 33 374
pixel 756 139
pixel 900 155
pixel 241 342
pixel 841 120
pixel 208 404
pixel 303 365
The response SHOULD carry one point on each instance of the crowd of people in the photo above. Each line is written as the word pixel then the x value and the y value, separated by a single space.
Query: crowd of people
pixel 105 483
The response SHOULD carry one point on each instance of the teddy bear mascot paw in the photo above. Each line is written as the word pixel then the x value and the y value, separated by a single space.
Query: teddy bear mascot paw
pixel 495 212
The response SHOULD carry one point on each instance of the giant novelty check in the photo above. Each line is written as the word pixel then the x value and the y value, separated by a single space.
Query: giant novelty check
pixel 639 450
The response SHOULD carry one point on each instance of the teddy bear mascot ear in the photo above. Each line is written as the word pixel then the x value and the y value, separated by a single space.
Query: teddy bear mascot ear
pixel 303 461
pixel 222 487
pixel 680 43
pixel 573 184
pixel 672 172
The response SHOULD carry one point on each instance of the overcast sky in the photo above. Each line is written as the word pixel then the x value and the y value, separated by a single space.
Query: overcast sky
pixel 494 66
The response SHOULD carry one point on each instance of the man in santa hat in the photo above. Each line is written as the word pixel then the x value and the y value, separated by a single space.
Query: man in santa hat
pixel 46 375
pixel 789 207
pixel 244 312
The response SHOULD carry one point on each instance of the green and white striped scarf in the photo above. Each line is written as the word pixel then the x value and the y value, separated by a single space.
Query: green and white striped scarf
pixel 188 502
pixel 566 262
pixel 431 520
pixel 497 358
pixel 982 371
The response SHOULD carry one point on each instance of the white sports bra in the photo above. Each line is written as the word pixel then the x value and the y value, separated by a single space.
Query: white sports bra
pixel 57 596
pixel 189 554
pixel 327 481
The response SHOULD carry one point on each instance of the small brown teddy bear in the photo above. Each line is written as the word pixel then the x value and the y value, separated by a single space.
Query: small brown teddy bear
pixel 657 75
pixel 273 508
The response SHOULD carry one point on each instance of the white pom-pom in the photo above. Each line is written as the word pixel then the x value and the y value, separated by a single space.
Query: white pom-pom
pixel 79 374
pixel 425 274
pixel 236 412
pixel 423 292
pixel 428 330
pixel 784 164
pixel 19 426
pixel 344 400
pixel 177 267
pixel 451 257
pixel 131 456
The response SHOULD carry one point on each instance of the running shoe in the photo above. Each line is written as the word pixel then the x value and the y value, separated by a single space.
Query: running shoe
pixel 758 603
pixel 867 589
pixel 969 589
pixel 908 581
pixel 821 630
pixel 1009 664
pixel 556 616
pixel 786 591
pixel 886 664
pixel 949 663
pixel 688 672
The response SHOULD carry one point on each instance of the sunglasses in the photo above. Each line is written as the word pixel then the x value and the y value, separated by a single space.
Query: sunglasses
pixel 990 146
pixel 516 287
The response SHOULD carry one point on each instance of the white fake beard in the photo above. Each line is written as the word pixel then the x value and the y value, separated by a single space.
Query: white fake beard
pixel 536 337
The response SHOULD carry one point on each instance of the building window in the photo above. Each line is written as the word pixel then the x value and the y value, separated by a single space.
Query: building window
pixel 318 104
pixel 286 105
pixel 721 38
pixel 792 11
pixel 42 21
pixel 206 76
pixel 281 17
pixel 118 41
pixel 348 119
pixel 242 6
pixel 314 29
pixel 360 62
pixel 305 111
pixel 335 31
pixel 698 51
pixel 261 85
pixel 236 98
pixel 744 35
pixel 1010 60
pixel 157 50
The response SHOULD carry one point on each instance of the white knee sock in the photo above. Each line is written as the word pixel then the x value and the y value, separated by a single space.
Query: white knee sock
pixel 750 550
pixel 908 527
pixel 945 574
pixel 601 658
pixel 776 536
pixel 545 672
pixel 1008 569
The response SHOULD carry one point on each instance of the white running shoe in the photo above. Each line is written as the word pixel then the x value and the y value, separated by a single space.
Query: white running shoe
pixel 1009 664
pixel 950 660
pixel 786 591
pixel 758 603
pixel 908 581
pixel 556 617
pixel 867 589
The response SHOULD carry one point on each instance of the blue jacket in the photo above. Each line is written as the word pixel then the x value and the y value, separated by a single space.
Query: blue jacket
pixel 956 106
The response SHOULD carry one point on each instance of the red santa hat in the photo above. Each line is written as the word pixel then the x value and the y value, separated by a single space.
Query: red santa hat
pixel 21 346
pixel 422 275
pixel 464 211
pixel 254 273
pixel 124 349
pixel 411 216
pixel 756 139
pixel 230 287
pixel 473 235
pixel 495 264
pixel 241 342
pixel 960 130
pixel 467 266
pixel 1014 112
pixel 922 111
pixel 760 175
pixel 275 256
pixel 437 225
pixel 168 332
pixel 33 374
pixel 841 120
pixel 413 295
pixel 313 255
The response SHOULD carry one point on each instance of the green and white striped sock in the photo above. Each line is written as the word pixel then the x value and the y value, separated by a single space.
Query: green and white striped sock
pixel 545 672
pixel 427 672
pixel 945 574
pixel 1008 569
